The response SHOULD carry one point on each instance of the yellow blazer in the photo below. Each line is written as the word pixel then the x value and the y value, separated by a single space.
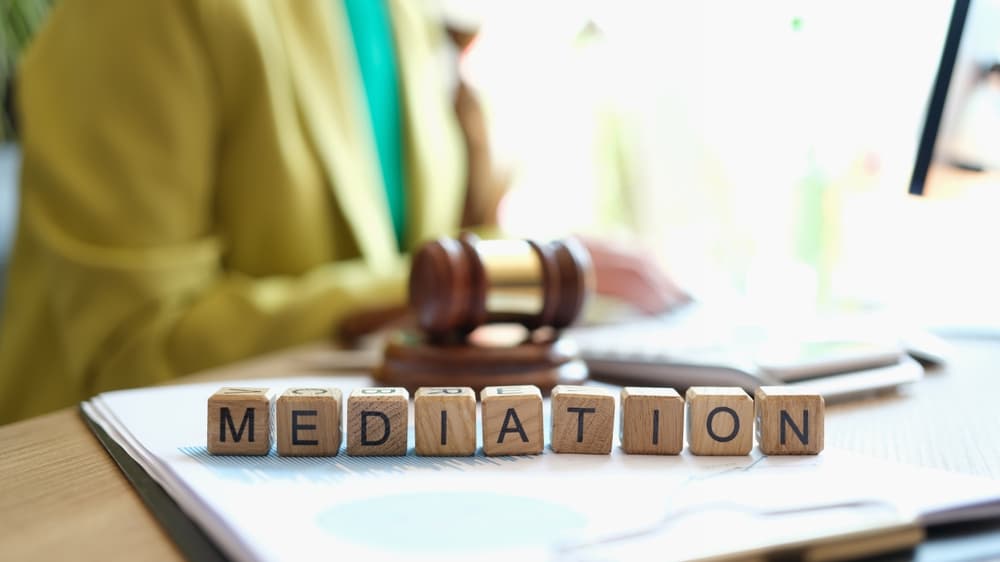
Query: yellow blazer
pixel 200 184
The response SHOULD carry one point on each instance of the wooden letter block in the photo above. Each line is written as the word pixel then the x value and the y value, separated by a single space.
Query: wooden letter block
pixel 512 420
pixel 583 419
pixel 652 421
pixel 789 421
pixel 377 421
pixel 239 421
pixel 719 420
pixel 308 422
pixel 445 420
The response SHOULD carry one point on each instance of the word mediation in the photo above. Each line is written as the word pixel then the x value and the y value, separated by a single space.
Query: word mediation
pixel 720 421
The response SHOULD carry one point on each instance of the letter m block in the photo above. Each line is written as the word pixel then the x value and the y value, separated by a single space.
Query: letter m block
pixel 239 421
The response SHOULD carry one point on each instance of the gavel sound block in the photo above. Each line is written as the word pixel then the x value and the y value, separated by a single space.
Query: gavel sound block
pixel 460 285
pixel 788 421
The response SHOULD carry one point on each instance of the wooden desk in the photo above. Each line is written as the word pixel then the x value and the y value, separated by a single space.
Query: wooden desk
pixel 61 495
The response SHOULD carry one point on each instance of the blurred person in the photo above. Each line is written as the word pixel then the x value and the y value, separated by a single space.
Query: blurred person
pixel 206 181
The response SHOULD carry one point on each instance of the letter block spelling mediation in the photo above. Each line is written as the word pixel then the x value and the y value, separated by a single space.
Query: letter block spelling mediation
pixel 512 420
pixel 239 421
pixel 652 421
pixel 377 421
pixel 583 419
pixel 445 420
pixel 308 422
pixel 719 420
pixel 789 421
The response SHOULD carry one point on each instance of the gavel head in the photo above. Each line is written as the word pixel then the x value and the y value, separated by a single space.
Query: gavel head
pixel 459 285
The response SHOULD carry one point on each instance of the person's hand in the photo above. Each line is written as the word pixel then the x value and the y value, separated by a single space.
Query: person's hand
pixel 632 276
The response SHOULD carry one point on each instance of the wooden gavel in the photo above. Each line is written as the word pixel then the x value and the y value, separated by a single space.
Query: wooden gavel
pixel 457 285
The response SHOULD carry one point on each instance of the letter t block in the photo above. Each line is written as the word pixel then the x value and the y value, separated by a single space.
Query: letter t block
pixel 308 422
pixel 583 419
pixel 239 421
pixel 377 421
pixel 512 420
pixel 719 420
pixel 789 421
pixel 445 420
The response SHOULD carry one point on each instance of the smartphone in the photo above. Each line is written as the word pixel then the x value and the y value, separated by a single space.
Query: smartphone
pixel 815 358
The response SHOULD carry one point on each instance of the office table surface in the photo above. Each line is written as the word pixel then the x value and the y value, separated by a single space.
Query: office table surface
pixel 62 496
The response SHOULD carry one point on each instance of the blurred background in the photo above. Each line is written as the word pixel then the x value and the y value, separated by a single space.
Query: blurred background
pixel 760 151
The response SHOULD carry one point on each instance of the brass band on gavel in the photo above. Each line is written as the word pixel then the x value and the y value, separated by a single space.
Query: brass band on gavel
pixel 458 285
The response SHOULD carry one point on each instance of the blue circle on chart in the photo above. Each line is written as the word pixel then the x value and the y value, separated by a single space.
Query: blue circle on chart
pixel 450 521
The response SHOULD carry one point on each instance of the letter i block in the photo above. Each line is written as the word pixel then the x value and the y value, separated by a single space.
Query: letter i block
pixel 720 420
pixel 512 420
pixel 445 420
pixel 652 421
pixel 239 421
pixel 377 422
pixel 308 422
pixel 583 419
pixel 789 421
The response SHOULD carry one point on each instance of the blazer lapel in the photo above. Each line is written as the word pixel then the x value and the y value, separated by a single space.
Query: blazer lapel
pixel 331 101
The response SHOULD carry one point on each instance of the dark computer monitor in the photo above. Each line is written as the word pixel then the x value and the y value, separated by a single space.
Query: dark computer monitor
pixel 961 129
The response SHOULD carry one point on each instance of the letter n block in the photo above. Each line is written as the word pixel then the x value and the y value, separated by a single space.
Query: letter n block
pixel 789 421
pixel 652 421
pixel 239 421
pixel 377 421
pixel 719 421
pixel 445 420
pixel 512 420
pixel 583 419
pixel 308 422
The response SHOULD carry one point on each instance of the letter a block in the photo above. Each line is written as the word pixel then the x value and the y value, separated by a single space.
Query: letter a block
pixel 789 421
pixel 652 421
pixel 445 420
pixel 239 421
pixel 583 419
pixel 720 420
pixel 512 420
pixel 308 422
pixel 377 422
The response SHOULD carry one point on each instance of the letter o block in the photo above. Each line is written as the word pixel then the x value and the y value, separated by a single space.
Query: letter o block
pixel 377 421
pixel 652 421
pixel 789 421
pixel 719 420
pixel 583 419
pixel 308 422
pixel 239 421
pixel 512 420
pixel 445 420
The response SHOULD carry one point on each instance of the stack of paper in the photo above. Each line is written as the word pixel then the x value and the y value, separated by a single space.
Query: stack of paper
pixel 549 506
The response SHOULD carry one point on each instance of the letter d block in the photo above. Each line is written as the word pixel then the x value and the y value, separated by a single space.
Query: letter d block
pixel 377 422
pixel 652 421
pixel 308 422
pixel 512 420
pixel 720 420
pixel 789 421
pixel 583 419
pixel 239 421
pixel 445 420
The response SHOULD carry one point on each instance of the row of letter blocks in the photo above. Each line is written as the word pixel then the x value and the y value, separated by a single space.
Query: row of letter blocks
pixel 720 421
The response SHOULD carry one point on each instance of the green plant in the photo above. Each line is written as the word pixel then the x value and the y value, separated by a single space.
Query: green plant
pixel 19 19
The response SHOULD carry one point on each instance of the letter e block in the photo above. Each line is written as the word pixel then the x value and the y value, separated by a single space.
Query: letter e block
pixel 583 419
pixel 512 420
pixel 308 422
pixel 239 421
pixel 652 421
pixel 377 421
pixel 719 420
pixel 789 421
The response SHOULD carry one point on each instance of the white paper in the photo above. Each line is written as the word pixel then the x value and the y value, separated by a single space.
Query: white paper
pixel 548 506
